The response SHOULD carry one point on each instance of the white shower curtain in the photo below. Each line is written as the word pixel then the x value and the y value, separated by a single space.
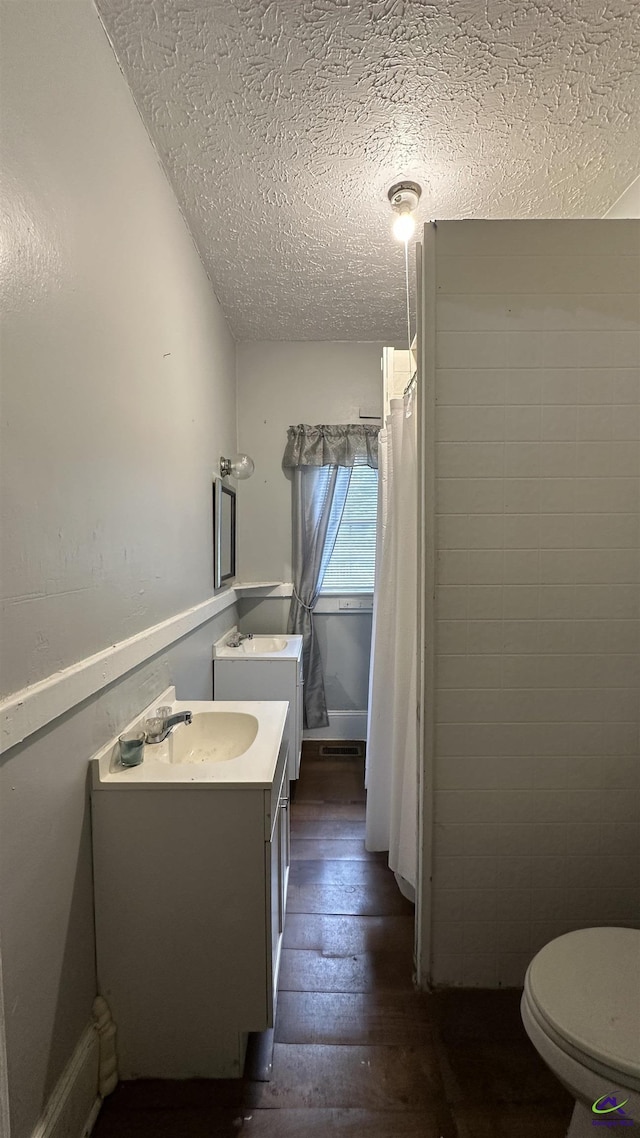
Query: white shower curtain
pixel 392 755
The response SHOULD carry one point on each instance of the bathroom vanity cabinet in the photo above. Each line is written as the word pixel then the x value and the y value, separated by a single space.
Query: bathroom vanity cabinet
pixel 190 888
pixel 272 675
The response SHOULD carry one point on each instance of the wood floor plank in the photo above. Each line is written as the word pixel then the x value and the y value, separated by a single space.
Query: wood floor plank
pixel 328 811
pixel 377 1019
pixel 377 1078
pixel 316 811
pixel 358 900
pixel 309 971
pixel 499 1073
pixel 312 849
pixel 340 828
pixel 479 1015
pixel 342 935
pixel 328 768
pixel 330 871
pixel 506 1121
pixel 331 780
pixel 349 1123
pixel 173 1095
pixel 183 1123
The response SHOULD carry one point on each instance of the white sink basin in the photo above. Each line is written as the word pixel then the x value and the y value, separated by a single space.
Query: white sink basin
pixel 213 737
pixel 230 743
pixel 261 644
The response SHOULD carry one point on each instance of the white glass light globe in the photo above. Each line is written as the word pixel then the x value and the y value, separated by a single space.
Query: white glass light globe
pixel 404 226
pixel 242 466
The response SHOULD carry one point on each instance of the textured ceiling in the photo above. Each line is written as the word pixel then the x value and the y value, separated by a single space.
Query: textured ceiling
pixel 282 123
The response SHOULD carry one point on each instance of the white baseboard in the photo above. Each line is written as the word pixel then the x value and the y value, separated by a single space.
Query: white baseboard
pixel 342 725
pixel 74 1104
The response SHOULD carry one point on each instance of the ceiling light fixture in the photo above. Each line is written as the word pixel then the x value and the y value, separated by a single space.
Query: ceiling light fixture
pixel 404 198
pixel 240 466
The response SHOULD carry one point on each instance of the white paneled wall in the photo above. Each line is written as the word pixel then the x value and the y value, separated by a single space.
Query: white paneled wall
pixel 537 765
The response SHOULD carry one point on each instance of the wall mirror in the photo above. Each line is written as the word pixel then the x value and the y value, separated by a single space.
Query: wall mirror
pixel 224 533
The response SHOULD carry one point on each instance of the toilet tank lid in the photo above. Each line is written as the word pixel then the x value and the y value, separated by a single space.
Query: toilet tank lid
pixel 586 985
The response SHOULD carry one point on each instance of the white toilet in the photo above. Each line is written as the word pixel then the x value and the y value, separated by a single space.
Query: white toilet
pixel 581 1010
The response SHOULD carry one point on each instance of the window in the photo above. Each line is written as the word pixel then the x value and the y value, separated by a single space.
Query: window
pixel 352 565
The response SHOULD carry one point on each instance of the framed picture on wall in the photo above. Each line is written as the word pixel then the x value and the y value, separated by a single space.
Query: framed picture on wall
pixel 224 533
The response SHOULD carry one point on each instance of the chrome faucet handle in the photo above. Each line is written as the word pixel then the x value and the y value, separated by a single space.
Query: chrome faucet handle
pixel 159 727
pixel 154 726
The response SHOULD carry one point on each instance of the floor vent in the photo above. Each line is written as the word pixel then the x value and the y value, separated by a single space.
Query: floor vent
pixel 348 749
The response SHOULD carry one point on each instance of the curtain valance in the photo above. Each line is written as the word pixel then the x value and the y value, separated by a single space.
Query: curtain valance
pixel 340 445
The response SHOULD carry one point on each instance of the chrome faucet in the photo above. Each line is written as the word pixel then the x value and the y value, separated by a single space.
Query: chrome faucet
pixel 160 726
pixel 235 640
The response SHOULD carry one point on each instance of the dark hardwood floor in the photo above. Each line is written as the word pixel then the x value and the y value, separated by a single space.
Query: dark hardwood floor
pixel 358 1053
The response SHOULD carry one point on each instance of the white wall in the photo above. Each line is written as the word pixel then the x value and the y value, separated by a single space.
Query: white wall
pixel 345 646
pixel 118 367
pixel 537 811
pixel 628 204
pixel 118 397
pixel 280 385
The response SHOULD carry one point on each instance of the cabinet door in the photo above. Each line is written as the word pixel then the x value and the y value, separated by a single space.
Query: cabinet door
pixel 278 855
pixel 285 848
pixel 276 914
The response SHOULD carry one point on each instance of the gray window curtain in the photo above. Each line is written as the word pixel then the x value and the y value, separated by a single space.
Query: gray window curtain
pixel 341 445
pixel 322 458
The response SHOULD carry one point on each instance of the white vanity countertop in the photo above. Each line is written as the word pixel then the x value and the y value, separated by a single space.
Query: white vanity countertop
pixel 291 651
pixel 254 768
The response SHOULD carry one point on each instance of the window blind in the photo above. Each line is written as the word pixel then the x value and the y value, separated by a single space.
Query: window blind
pixel 352 564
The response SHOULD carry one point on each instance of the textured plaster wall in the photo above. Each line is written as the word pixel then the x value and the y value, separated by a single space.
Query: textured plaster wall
pixel 118 397
pixel 118 368
pixel 283 123
pixel 278 385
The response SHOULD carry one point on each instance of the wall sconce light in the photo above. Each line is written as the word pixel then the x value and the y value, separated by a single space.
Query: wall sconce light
pixel 404 198
pixel 240 466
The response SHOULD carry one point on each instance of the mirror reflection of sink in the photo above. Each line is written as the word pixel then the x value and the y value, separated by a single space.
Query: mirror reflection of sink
pixel 261 644
pixel 213 737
